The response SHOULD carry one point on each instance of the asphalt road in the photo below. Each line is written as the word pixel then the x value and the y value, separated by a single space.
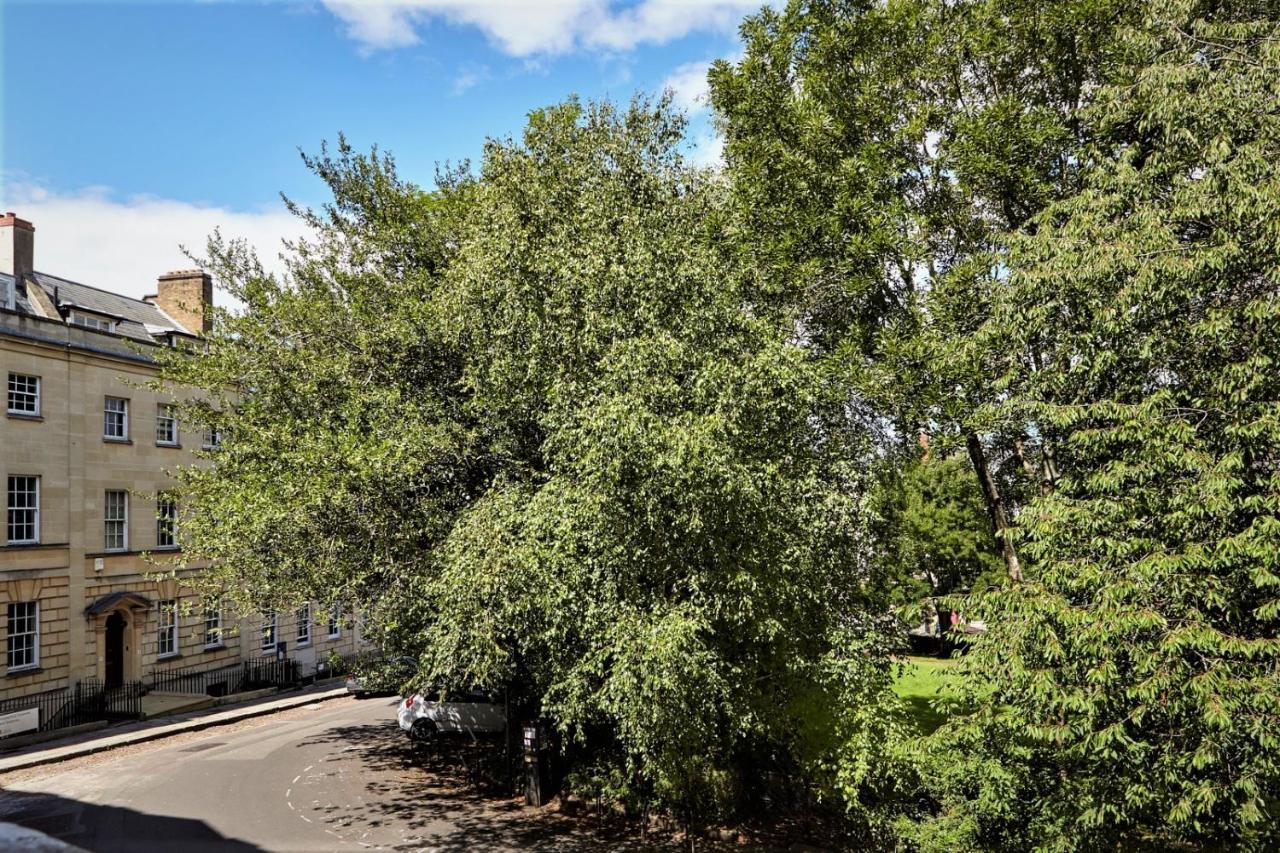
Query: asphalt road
pixel 334 776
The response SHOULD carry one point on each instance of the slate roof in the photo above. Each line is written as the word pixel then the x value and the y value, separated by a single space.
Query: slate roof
pixel 136 319
pixel 23 303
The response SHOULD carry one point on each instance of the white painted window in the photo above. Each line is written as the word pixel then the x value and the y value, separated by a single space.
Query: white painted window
pixel 167 636
pixel 24 635
pixel 269 631
pixel 166 523
pixel 166 425
pixel 115 418
pixel 115 514
pixel 304 625
pixel 24 394
pixel 213 623
pixel 212 439
pixel 88 321
pixel 24 510
pixel 335 621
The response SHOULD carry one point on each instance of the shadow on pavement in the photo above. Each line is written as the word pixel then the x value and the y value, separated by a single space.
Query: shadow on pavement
pixel 113 829
pixel 445 800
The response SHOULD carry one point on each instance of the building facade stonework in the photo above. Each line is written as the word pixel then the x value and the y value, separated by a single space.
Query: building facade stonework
pixel 85 454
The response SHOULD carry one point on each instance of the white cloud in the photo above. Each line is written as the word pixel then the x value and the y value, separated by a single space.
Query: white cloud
pixel 688 85
pixel 525 28
pixel 470 76
pixel 91 237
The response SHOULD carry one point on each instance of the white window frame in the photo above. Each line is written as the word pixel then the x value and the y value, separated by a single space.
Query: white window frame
pixel 213 627
pixel 167 629
pixel 167 413
pixel 271 628
pixel 108 520
pixel 12 390
pixel 166 521
pixel 212 439
pixel 108 412
pixel 89 321
pixel 11 509
pixel 335 622
pixel 34 633
pixel 303 633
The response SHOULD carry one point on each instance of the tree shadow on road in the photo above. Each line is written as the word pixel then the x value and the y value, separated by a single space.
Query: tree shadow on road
pixel 113 829
pixel 448 797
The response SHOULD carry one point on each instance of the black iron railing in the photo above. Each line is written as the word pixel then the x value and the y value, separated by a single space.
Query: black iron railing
pixel 229 678
pixel 270 672
pixel 111 703
pixel 52 704
pixel 88 701
pixel 219 681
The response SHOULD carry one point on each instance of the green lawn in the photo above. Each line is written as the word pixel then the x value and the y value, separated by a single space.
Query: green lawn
pixel 921 686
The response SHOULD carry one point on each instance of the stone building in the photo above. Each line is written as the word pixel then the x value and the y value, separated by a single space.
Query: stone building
pixel 84 451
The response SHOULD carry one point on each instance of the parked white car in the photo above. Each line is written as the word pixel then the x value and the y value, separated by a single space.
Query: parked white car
pixel 423 716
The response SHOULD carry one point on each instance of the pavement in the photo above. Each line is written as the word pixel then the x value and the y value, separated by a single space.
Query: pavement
pixel 132 733
pixel 328 775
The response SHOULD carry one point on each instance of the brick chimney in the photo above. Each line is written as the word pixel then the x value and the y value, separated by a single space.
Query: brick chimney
pixel 186 296
pixel 17 246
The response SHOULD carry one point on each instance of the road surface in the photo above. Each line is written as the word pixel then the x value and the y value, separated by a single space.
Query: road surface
pixel 333 776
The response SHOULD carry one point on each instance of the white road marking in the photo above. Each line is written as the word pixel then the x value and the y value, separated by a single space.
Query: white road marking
pixel 295 780
pixel 288 791
pixel 290 805
pixel 304 817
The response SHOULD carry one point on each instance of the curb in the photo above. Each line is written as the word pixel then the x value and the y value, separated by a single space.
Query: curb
pixel 221 718
pixel 19 741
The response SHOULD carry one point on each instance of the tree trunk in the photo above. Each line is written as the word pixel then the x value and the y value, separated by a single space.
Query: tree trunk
pixel 995 506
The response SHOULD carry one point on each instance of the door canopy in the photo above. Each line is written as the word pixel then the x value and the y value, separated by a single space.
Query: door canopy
pixel 116 600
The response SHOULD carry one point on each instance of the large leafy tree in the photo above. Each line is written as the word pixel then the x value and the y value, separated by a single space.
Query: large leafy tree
pixel 881 154
pixel 534 425
pixel 345 452
pixel 670 554
pixel 1130 695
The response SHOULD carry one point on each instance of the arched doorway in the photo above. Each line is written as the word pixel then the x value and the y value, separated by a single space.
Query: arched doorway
pixel 117 619
pixel 114 650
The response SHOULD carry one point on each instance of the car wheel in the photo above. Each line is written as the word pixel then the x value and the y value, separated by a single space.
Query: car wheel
pixel 423 731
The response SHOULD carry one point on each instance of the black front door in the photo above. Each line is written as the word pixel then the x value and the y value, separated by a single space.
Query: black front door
pixel 114 675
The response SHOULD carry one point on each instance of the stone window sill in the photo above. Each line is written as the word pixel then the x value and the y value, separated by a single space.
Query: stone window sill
pixel 26 670
pixel 106 439
pixel 22 416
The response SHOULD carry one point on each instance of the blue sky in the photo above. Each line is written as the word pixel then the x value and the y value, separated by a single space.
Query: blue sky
pixel 131 128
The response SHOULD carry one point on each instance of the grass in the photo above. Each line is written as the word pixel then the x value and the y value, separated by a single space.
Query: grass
pixel 924 690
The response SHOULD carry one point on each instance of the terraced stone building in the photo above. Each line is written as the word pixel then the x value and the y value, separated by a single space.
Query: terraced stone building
pixel 85 449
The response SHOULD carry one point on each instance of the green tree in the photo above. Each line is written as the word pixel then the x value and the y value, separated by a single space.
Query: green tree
pixel 345 453
pixel 532 425
pixel 880 155
pixel 934 528
pixel 670 554
pixel 1130 695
